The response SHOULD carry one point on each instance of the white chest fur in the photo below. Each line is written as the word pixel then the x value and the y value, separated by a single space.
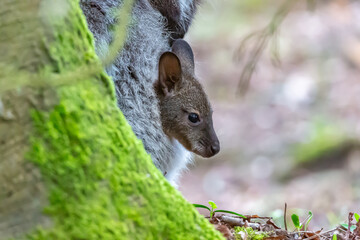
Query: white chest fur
pixel 180 160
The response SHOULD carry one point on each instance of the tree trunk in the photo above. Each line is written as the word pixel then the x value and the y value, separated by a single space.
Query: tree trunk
pixel 70 165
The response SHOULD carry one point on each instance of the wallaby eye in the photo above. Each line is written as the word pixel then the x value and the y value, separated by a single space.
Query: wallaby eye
pixel 194 118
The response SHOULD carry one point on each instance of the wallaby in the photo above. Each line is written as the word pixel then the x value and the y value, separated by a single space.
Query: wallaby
pixel 186 114
pixel 157 118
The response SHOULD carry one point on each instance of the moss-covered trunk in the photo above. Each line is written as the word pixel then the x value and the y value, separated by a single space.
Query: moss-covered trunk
pixel 70 166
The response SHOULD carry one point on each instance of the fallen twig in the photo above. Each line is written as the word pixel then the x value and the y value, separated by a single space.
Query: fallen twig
pixel 233 221
pixel 350 218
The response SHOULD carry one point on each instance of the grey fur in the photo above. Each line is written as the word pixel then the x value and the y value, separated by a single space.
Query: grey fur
pixel 134 72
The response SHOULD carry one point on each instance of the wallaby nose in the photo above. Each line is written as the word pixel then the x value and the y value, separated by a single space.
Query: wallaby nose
pixel 215 148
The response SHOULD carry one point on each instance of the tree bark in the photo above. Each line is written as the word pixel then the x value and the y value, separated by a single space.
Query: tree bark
pixel 70 165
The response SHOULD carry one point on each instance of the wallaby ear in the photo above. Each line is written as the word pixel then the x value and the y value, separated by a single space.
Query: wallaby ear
pixel 178 14
pixel 184 52
pixel 169 72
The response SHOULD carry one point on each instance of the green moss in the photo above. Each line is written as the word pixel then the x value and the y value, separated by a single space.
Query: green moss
pixel 249 233
pixel 101 182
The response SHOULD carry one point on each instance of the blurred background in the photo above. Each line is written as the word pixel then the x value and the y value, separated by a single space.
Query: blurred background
pixel 289 132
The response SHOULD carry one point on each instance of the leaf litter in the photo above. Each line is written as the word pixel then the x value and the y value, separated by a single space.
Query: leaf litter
pixel 254 227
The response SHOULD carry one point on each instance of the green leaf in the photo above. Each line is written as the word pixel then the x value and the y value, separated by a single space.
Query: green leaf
pixel 308 221
pixel 212 204
pixel 334 237
pixel 226 211
pixel 357 217
pixel 201 206
pixel 352 228
pixel 296 221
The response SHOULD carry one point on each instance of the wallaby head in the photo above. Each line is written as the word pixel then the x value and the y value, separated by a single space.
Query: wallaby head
pixel 186 112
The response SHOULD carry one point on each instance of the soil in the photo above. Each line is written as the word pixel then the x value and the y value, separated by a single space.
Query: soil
pixel 227 225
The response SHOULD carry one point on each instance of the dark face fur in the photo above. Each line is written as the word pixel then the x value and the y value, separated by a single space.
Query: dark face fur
pixel 186 113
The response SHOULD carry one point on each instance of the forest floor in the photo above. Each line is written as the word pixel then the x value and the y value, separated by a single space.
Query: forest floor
pixel 253 227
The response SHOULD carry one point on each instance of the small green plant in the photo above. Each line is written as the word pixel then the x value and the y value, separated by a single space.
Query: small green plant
pixel 334 237
pixel 242 233
pixel 213 206
pixel 357 217
pixel 213 211
pixel 308 220
pixel 296 221
pixel 353 227
pixel 346 226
